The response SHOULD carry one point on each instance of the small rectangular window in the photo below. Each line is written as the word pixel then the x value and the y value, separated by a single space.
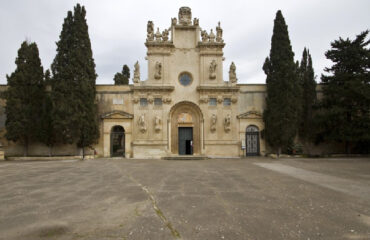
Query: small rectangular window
pixel 143 102
pixel 227 101
pixel 158 101
pixel 213 102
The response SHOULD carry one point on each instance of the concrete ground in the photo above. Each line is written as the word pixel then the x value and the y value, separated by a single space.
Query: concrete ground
pixel 253 198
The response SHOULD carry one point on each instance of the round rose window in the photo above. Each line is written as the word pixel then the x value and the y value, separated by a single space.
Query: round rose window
pixel 185 79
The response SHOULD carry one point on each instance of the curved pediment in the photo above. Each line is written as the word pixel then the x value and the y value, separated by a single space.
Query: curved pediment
pixel 253 114
pixel 116 114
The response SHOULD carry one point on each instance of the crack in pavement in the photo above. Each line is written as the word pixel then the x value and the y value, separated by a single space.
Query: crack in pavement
pixel 157 210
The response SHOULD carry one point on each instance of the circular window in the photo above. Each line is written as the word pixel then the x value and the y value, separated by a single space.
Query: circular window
pixel 185 79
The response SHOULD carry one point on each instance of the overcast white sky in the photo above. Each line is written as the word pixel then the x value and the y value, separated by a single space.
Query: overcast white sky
pixel 117 29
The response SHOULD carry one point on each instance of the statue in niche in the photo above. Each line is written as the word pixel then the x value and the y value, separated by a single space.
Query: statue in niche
pixel 157 123
pixel 232 73
pixel 158 70
pixel 185 16
pixel 212 69
pixel 227 122
pixel 150 30
pixel 213 122
pixel 174 21
pixel 165 35
pixel 212 36
pixel 136 72
pixel 204 35
pixel 219 33
pixel 141 123
pixel 158 35
pixel 196 21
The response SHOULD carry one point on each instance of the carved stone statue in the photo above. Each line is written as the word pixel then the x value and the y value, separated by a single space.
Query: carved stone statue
pixel 136 72
pixel 158 35
pixel 196 21
pixel 165 35
pixel 157 124
pixel 204 35
pixel 219 33
pixel 185 16
pixel 212 36
pixel 174 21
pixel 142 124
pixel 150 30
pixel 212 69
pixel 227 122
pixel 232 73
pixel 213 122
pixel 158 70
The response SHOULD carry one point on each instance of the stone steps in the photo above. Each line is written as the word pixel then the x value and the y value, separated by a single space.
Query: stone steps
pixel 185 157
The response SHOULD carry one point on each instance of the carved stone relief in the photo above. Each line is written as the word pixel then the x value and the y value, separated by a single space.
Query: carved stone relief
pixel 136 72
pixel 204 35
pixel 165 35
pixel 213 122
pixel 158 70
pixel 212 69
pixel 232 73
pixel 142 124
pixel 150 31
pixel 158 36
pixel 157 124
pixel 212 36
pixel 219 33
pixel 185 16
pixel 227 122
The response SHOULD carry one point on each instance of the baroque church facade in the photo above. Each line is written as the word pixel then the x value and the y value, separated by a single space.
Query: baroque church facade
pixel 185 107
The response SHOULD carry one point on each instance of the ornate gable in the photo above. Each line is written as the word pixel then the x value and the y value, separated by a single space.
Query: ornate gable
pixel 253 114
pixel 117 115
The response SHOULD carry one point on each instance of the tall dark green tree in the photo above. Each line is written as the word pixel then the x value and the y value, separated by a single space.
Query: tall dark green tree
pixel 345 107
pixel 74 77
pixel 283 104
pixel 46 133
pixel 24 96
pixel 308 84
pixel 122 78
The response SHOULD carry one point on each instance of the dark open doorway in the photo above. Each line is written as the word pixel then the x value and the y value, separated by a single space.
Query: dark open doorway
pixel 185 140
pixel 117 138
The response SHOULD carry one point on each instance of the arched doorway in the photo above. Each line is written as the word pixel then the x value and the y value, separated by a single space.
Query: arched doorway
pixel 117 141
pixel 185 129
pixel 252 141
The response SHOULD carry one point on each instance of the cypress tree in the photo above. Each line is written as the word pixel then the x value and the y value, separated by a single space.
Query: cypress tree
pixel 122 78
pixel 281 115
pixel 345 107
pixel 74 76
pixel 65 114
pixel 46 133
pixel 308 84
pixel 24 96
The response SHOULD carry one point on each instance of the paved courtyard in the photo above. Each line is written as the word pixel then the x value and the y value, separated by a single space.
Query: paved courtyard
pixel 253 198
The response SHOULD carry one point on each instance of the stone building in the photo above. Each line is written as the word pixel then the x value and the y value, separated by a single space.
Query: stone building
pixel 185 107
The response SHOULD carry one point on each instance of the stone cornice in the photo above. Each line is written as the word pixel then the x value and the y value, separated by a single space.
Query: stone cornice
pixel 159 44
pixel 153 88
pixel 218 88
pixel 211 45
